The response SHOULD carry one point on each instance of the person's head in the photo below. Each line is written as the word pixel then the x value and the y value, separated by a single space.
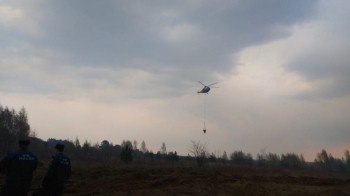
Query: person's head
pixel 23 144
pixel 59 148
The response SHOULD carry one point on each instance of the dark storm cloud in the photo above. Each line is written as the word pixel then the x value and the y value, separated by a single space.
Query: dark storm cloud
pixel 177 41
pixel 124 33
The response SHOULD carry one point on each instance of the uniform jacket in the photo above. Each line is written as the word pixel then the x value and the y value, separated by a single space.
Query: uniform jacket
pixel 58 172
pixel 19 167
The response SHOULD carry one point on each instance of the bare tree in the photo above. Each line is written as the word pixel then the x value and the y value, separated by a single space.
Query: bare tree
pixel 134 146
pixel 347 159
pixel 143 148
pixel 322 159
pixel 163 149
pixel 224 157
pixel 199 151
pixel 347 155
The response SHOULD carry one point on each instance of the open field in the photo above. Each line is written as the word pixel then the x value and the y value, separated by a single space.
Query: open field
pixel 160 179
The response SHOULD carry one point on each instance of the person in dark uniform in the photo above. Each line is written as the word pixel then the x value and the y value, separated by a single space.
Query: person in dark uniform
pixel 57 174
pixel 19 167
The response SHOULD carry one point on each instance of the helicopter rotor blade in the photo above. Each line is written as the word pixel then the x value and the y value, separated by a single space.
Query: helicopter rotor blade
pixel 213 83
pixel 201 83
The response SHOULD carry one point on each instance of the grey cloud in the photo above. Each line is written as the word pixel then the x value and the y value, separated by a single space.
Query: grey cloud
pixel 103 55
pixel 329 70
pixel 326 62
pixel 330 66
pixel 114 33
pixel 128 35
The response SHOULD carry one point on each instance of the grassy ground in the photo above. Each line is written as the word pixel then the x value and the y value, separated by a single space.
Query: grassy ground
pixel 180 179
pixel 160 179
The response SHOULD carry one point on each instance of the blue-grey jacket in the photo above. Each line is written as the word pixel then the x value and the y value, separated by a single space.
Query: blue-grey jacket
pixel 19 167
pixel 58 172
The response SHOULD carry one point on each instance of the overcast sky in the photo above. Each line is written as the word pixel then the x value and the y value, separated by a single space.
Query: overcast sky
pixel 119 70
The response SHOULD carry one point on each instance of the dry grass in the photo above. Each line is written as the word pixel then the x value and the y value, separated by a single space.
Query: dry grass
pixel 159 179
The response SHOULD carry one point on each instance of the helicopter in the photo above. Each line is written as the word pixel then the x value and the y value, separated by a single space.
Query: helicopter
pixel 206 88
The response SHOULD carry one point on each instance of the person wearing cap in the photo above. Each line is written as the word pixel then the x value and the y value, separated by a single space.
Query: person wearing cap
pixel 19 167
pixel 57 174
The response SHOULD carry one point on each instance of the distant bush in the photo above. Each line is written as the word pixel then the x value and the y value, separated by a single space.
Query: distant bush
pixel 172 157
pixel 241 158
pixel 292 161
pixel 126 151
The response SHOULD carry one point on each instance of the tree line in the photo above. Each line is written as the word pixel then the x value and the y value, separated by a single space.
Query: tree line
pixel 14 126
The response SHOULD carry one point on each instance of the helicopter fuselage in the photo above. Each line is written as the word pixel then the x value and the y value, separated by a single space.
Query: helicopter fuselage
pixel 206 89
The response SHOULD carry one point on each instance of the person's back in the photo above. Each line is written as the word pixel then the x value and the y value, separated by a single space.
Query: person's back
pixel 59 169
pixel 57 174
pixel 19 167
